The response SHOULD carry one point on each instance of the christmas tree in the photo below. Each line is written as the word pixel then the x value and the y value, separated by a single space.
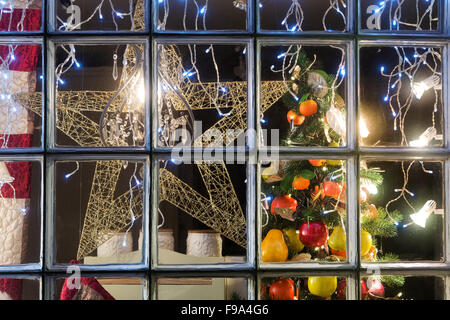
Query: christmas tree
pixel 305 200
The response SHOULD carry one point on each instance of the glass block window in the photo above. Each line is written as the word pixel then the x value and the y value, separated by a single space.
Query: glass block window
pixel 230 150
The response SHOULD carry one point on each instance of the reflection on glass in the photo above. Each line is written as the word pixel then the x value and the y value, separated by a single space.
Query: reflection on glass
pixel 327 287
pixel 303 211
pixel 98 212
pixel 214 288
pixel 88 15
pixel 402 210
pixel 202 213
pixel 100 102
pixel 303 96
pixel 401 100
pixel 97 288
pixel 20 216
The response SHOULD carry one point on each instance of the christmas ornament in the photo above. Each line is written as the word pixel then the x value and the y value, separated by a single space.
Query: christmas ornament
pixel 375 287
pixel 313 234
pixel 341 288
pixel 300 183
pixel 366 242
pixel 294 242
pixel 282 289
pixel 317 163
pixel 273 247
pixel 337 121
pixel 371 212
pixel 334 190
pixel 285 206
pixel 372 254
pixel 322 286
pixel 270 174
pixel 308 107
pixel 337 239
pixel 334 162
pixel 295 118
pixel 316 81
pixel 340 254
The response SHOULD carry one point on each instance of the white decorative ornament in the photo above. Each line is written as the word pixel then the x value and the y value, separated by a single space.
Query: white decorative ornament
pixel 374 21
pixel 166 239
pixel 337 121
pixel 318 84
pixel 204 243
pixel 419 88
pixel 420 218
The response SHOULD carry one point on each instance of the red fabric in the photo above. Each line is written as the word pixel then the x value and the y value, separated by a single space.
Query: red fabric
pixel 31 22
pixel 20 187
pixel 13 287
pixel 25 56
pixel 68 294
pixel 17 140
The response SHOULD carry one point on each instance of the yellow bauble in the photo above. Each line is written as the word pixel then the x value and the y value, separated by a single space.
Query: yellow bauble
pixel 337 239
pixel 294 241
pixel 269 171
pixel 273 247
pixel 334 162
pixel 366 242
pixel 322 286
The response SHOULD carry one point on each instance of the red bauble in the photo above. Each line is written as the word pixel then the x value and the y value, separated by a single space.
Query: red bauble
pixel 282 289
pixel 375 287
pixel 342 286
pixel 313 234
pixel 283 203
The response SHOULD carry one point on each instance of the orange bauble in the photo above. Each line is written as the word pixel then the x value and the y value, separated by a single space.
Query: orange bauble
pixel 333 189
pixel 296 118
pixel 300 183
pixel 282 203
pixel 308 107
pixel 317 163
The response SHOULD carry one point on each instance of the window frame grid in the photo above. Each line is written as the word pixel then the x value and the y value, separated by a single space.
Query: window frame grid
pixel 50 244
pixel 356 36
pixel 238 40
pixel 348 47
pixel 52 43
pixel 248 265
pixel 442 30
pixel 251 283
